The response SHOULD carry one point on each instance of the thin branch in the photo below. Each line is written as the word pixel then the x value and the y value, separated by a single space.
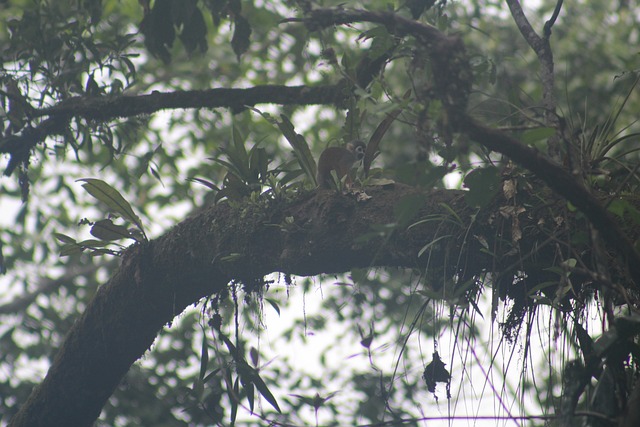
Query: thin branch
pixel 110 107
pixel 105 108
pixel 549 24
pixel 19 146
pixel 542 49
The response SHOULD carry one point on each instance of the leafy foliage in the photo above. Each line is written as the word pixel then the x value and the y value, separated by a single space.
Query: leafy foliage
pixel 524 253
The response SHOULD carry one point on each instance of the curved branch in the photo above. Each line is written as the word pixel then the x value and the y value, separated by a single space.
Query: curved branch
pixel 551 173
pixel 19 146
pixel 452 74
pixel 550 23
pixel 104 108
pixel 110 107
pixel 157 280
pixel 322 18
pixel 563 183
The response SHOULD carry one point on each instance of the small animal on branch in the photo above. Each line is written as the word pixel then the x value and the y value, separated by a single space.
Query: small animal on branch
pixel 340 160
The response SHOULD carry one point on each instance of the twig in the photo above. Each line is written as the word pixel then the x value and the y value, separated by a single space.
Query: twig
pixel 552 20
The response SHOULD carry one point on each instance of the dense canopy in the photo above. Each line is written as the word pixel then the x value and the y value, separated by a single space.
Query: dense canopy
pixel 169 257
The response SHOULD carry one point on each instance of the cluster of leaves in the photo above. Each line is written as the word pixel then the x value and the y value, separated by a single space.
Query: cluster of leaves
pixel 105 230
pixel 58 50
pixel 249 172
pixel 166 17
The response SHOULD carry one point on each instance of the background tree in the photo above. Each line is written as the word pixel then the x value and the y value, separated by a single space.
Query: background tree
pixel 159 211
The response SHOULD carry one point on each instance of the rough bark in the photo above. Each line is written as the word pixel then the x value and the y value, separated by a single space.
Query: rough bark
pixel 312 235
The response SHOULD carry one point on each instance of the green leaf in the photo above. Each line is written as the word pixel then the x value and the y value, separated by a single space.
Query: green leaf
pixel 431 243
pixel 204 358
pixel 204 182
pixel 273 304
pixel 254 355
pixel 532 136
pixel 234 400
pixel 625 210
pixel 113 199
pixel 194 32
pixel 300 148
pixel 452 213
pixel 241 36
pixel 105 229
pixel 231 257
pixel 374 141
pixel 238 162
pixel 382 42
pixel 93 243
pixel 232 348
pixel 258 164
pixel 71 249
pixel 264 391
pixel 250 390
pixel 64 238
pixel 99 252
pixel 483 185
pixel 211 375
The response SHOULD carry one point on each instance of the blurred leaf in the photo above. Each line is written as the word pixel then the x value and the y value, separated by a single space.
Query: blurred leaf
pixel 254 355
pixel 300 148
pixel 204 357
pixel 431 244
pixel 250 391
pixel 233 397
pixel 194 30
pixel 70 249
pixel 273 304
pixel 265 392
pixel 64 238
pixel 374 141
pixel 105 229
pixel 483 185
pixel 532 136
pixel 241 36
pixel 418 7
pixel 157 28
pixel 624 209
pixel 259 163
pixel 204 182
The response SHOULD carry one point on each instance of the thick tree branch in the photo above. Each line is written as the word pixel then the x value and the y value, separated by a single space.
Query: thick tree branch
pixel 563 183
pixel 452 76
pixel 156 281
